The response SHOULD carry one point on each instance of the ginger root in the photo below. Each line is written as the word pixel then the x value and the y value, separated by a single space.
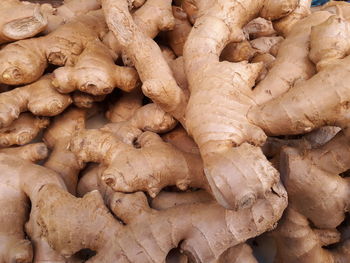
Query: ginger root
pixel 134 40
pixel 40 98
pixel 134 241
pixel 155 165
pixel 57 137
pixel 238 172
pixel 24 61
pixel 307 173
pixel 19 20
pixel 298 242
pixel 23 130
pixel 149 117
pixel 289 70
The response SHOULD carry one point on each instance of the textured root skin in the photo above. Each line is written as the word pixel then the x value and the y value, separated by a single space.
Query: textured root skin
pixel 156 76
pixel 298 242
pixel 284 25
pixel 177 66
pixel 236 52
pixel 24 61
pixel 178 35
pixel 149 117
pixel 238 254
pixel 65 12
pixel 268 61
pixel 337 8
pixel 40 98
pixel 155 165
pixel 309 173
pixel 21 179
pixel 31 152
pixel 266 44
pixel 287 70
pixel 226 126
pixel 125 107
pixel 85 101
pixel 19 20
pixel 166 200
pixel 295 112
pixel 335 33
pixel 95 73
pixel 259 27
pixel 57 137
pixel 23 130
pixel 113 241
pixel 181 140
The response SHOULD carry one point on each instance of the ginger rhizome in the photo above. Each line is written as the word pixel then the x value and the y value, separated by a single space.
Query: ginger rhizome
pixel 24 61
pixel 19 20
pixel 288 70
pixel 307 173
pixel 134 241
pixel 297 241
pixel 134 39
pixel 40 98
pixel 94 72
pixel 154 165
pixel 221 96
pixel 22 180
pixel 149 117
pixel 57 137
pixel 23 130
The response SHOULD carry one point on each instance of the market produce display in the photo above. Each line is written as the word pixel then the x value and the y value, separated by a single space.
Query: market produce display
pixel 174 131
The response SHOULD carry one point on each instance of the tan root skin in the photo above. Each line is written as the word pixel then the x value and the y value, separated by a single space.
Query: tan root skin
pixel 95 73
pixel 128 169
pixel 24 61
pixel 237 52
pixel 181 140
pixel 19 20
pixel 57 137
pixel 134 242
pixel 134 39
pixel 125 107
pixel 312 179
pixel 294 112
pixel 149 117
pixel 178 35
pixel 335 34
pixel 221 95
pixel 86 101
pixel 40 98
pixel 259 27
pixel 284 25
pixel 289 70
pixel 21 181
pixel 23 130
pixel 298 242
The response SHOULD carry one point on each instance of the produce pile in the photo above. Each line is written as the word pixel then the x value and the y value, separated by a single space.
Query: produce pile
pixel 174 131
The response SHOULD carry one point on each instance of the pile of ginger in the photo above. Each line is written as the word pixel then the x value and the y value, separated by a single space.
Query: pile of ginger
pixel 174 131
